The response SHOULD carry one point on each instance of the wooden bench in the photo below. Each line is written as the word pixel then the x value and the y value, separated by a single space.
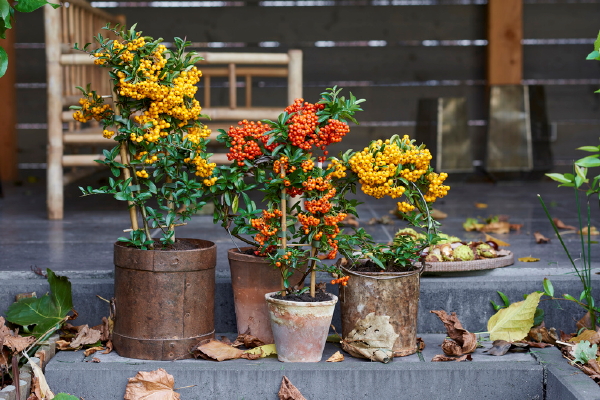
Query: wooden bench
pixel 67 68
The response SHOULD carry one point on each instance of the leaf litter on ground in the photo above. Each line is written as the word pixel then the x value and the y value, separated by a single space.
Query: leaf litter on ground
pixel 373 338
pixel 152 385
pixel 287 391
pixel 461 340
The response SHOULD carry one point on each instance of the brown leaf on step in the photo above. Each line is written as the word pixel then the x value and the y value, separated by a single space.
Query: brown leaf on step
pixel 441 358
pixel 420 344
pixel 36 388
pixel 92 350
pixel 496 227
pixel 565 337
pixel 71 328
pixel 481 205
pixel 350 220
pixel 516 227
pixel 561 225
pixel 63 345
pixel 17 343
pixel 105 329
pixel 540 239
pixel 591 336
pixel 109 347
pixel 465 339
pixel 437 214
pixel 217 351
pixel 226 340
pixel 86 335
pixel 584 322
pixel 247 340
pixel 287 391
pixel 593 364
pixel 539 345
pixel 95 360
pixel 499 348
pixel 499 242
pixel 336 357
pixel 528 259
pixel 451 348
pixel 43 356
pixel 593 231
pixel 543 334
pixel 153 385
pixel 32 396
pixel 385 220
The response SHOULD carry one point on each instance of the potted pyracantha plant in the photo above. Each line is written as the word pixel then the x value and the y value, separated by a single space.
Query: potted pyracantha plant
pixel 161 170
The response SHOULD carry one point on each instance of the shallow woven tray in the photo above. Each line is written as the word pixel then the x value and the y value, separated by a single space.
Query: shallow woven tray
pixel 504 258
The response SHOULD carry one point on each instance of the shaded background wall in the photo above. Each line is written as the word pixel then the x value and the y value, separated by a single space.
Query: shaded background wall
pixel 390 52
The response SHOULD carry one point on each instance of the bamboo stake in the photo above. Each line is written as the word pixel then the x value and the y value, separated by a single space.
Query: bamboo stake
pixel 313 272
pixel 283 242
pixel 172 207
pixel 126 172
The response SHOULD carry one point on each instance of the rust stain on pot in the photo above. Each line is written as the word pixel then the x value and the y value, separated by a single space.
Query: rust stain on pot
pixel 384 293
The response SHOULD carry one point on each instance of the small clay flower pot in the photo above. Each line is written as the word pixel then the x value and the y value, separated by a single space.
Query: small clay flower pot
pixel 300 328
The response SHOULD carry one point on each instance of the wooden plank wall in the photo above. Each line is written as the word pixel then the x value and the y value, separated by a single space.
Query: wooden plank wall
pixel 392 55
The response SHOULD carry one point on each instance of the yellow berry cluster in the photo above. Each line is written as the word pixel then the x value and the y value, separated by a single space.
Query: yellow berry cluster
pixel 149 159
pixel 108 134
pixel 405 207
pixel 142 174
pixel 339 169
pixel 436 188
pixel 195 134
pixel 203 169
pixel 92 107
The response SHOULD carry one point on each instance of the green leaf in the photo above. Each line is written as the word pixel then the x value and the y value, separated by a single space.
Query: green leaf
pixel 591 149
pixel 46 311
pixel 589 161
pixel 538 317
pixel 569 297
pixel 4 9
pixel 65 396
pixel 559 178
pixel 593 55
pixel 513 323
pixel 548 288
pixel 32 5
pixel 3 61
pixel 584 352
pixel 504 298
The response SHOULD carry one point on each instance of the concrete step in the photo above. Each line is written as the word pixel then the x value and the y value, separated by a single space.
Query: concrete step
pixel 466 294
pixel 512 376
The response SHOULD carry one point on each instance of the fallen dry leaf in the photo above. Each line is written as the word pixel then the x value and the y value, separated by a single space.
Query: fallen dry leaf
pixel 17 343
pixel 36 390
pixel 561 225
pixel 109 347
pixel 215 350
pixel 584 322
pixel 420 344
pixel 44 389
pixel 499 348
pixel 95 360
pixel 153 385
pixel 565 337
pixel 105 329
pixel 481 205
pixel 287 391
pixel 540 239
pixel 336 357
pixel 591 336
pixel 593 231
pixel 86 335
pixel 247 340
pixel 543 335
pixel 92 350
pixel 441 358
pixel 529 259
pixel 594 365
pixel 437 214
pixel 516 227
pixel 373 338
pixel 265 350
pixel 466 341
pixel 539 345
pixel 63 345
pixel 499 242
pixel 500 227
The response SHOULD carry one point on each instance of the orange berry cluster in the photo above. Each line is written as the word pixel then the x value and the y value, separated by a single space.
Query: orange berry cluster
pixel 322 204
pixel 342 281
pixel 243 140
pixel 265 226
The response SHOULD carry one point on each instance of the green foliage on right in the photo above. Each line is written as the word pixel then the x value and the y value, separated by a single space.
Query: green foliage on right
pixel 44 312
pixel 514 322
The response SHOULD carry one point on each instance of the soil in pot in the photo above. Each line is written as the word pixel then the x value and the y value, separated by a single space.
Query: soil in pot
pixel 370 266
pixel 305 297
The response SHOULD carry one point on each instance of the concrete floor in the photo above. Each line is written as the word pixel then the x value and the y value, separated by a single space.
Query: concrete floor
pixel 82 241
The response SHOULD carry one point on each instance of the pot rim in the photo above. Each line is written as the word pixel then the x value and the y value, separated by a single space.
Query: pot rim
pixel 385 275
pixel 211 245
pixel 269 298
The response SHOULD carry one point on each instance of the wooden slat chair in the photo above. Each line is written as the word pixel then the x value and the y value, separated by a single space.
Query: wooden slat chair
pixel 67 69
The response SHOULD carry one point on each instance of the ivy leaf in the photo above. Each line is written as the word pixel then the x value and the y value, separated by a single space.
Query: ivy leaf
pixel 3 62
pixel 514 322
pixel 46 311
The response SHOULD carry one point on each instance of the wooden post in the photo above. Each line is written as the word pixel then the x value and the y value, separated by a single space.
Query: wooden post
pixel 232 87
pixel 505 52
pixel 294 75
pixel 54 172
pixel 8 113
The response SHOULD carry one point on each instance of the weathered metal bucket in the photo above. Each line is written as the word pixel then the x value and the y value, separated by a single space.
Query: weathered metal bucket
pixel 164 300
pixel 300 329
pixel 395 294
pixel 251 278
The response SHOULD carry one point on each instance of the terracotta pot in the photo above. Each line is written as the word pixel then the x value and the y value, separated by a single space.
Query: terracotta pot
pixel 164 300
pixel 300 329
pixel 395 294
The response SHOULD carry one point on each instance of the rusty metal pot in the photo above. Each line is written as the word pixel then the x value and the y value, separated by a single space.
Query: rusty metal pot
pixel 164 300
pixel 395 294
pixel 300 329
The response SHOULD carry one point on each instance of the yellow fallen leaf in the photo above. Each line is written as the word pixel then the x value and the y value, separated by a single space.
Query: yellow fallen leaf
pixel 591 336
pixel 514 322
pixel 157 384
pixel 336 357
pixel 593 231
pixel 263 351
pixel 529 259
pixel 499 242
pixel 481 205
